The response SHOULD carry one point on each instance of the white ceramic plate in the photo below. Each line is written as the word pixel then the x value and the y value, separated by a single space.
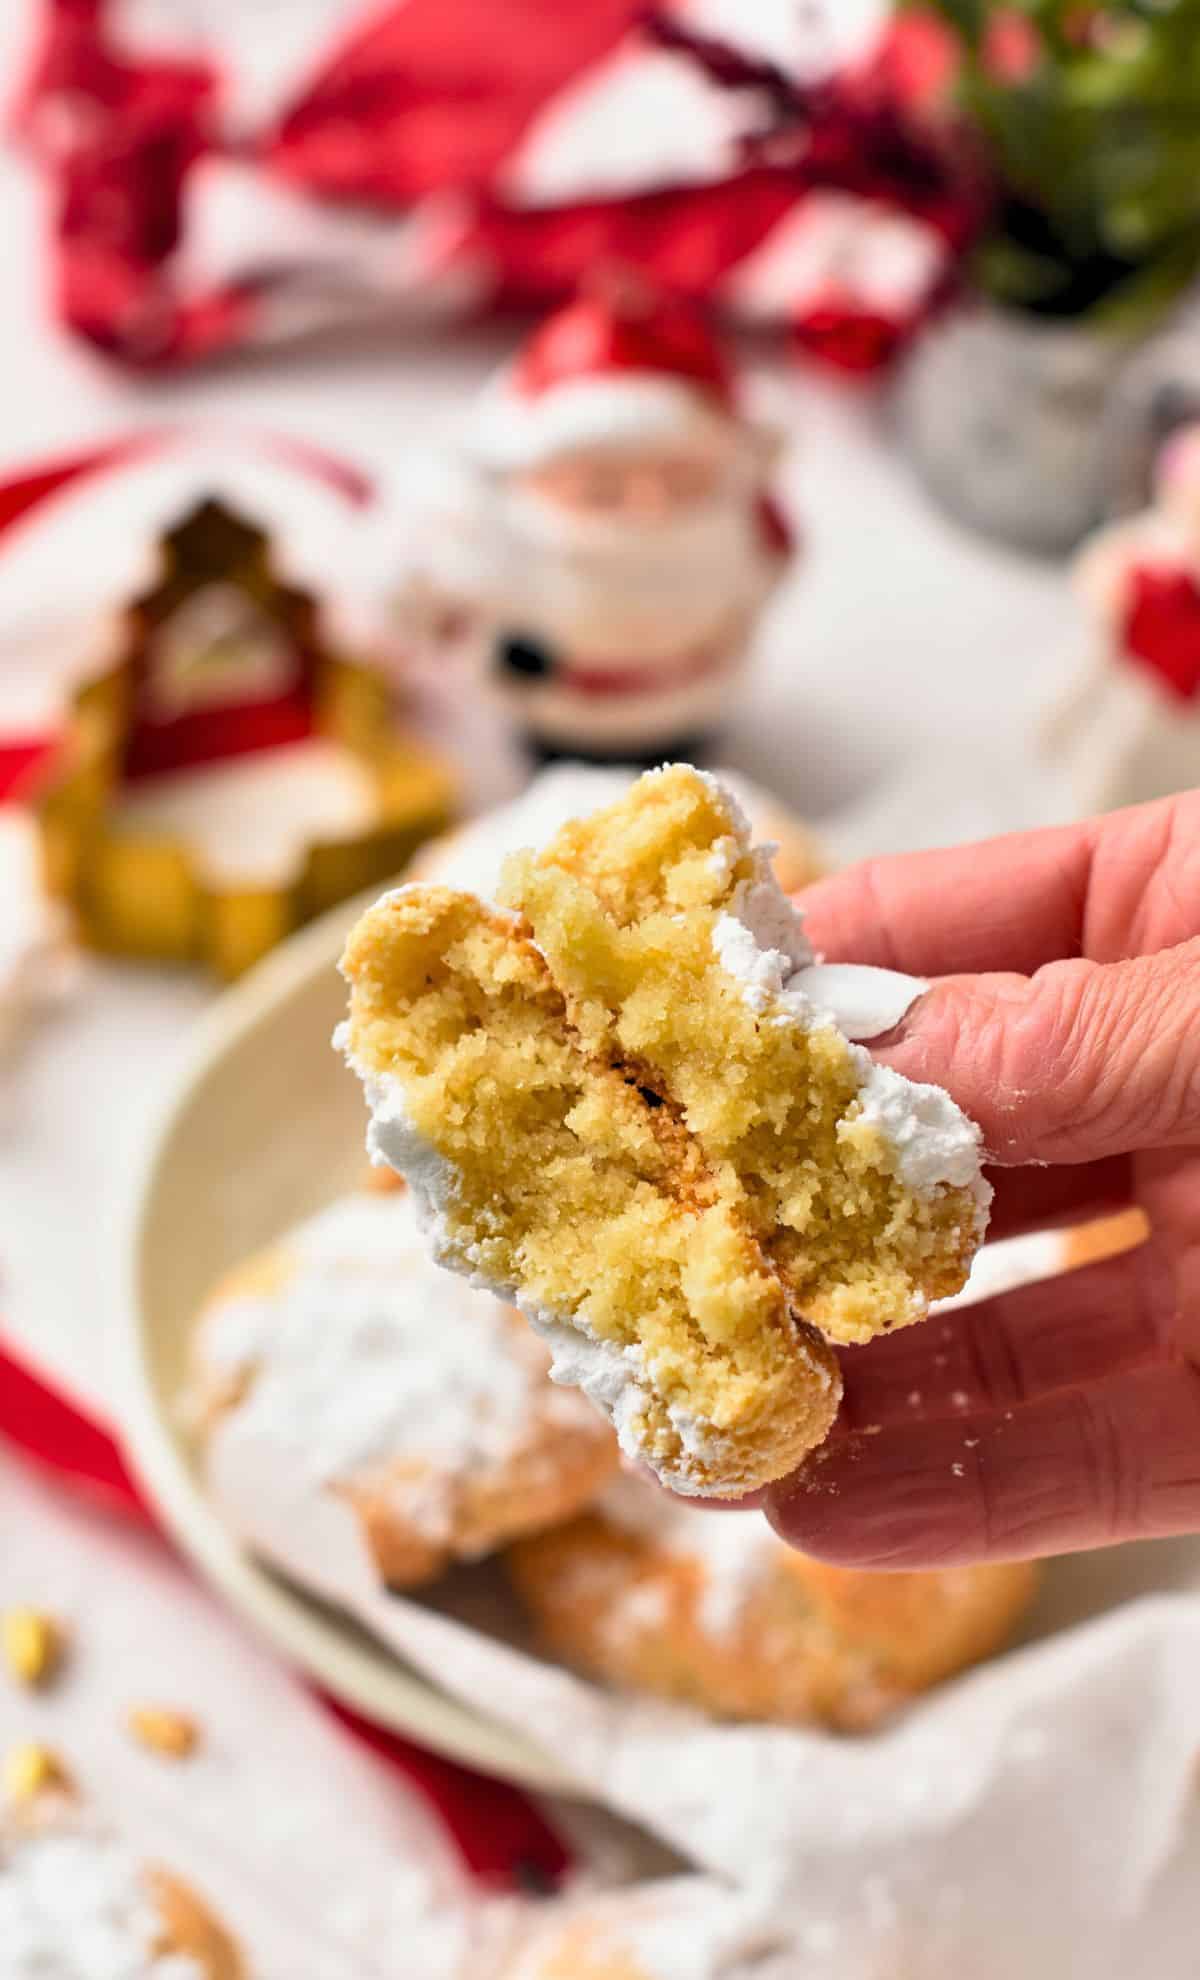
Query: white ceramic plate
pixel 265 1127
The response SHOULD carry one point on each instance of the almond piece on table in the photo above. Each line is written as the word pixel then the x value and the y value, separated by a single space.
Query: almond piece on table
pixel 173 1734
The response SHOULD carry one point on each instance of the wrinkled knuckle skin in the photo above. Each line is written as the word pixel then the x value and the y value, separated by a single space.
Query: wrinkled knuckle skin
pixel 1136 1032
pixel 1090 1073
pixel 945 1032
pixel 987 1042
pixel 1085 1023
pixel 1181 1031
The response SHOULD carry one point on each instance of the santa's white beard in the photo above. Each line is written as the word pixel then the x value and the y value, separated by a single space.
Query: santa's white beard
pixel 616 589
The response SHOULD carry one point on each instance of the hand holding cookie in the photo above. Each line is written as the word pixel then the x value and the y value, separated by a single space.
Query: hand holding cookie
pixel 1066 1414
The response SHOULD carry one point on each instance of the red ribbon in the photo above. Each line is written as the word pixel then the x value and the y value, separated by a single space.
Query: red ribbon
pixel 419 99
pixel 60 1439
pixel 21 760
pixel 501 1835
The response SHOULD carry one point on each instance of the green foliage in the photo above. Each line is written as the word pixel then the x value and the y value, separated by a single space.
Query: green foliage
pixel 1090 114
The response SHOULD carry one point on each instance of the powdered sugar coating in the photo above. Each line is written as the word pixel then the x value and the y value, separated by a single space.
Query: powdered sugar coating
pixel 933 1141
pixel 367 1355
pixel 395 1142
pixel 734 1548
pixel 760 941
pixel 610 1375
pixel 76 1906
pixel 619 1381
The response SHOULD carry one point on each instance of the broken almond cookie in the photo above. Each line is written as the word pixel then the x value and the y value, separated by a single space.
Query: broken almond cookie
pixel 629 1099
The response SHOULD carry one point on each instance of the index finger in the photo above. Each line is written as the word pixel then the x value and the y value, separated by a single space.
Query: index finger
pixel 1011 903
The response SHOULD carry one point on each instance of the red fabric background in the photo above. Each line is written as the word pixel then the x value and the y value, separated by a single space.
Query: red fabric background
pixel 430 98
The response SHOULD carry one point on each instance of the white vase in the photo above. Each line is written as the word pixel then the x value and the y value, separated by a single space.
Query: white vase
pixel 1003 414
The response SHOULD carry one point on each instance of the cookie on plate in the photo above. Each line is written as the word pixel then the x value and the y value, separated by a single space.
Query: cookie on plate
pixel 77 1903
pixel 712 1609
pixel 631 1101
pixel 346 1358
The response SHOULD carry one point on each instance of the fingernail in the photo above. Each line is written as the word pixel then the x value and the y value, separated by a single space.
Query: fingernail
pixel 866 1003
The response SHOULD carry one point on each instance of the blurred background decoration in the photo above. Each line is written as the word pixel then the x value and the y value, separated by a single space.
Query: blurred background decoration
pixel 1086 121
pixel 217 181
pixel 1021 181
pixel 1128 726
pixel 1088 116
pixel 608 538
pixel 226 747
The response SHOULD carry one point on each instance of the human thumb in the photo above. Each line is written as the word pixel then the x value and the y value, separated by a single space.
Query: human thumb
pixel 1079 1061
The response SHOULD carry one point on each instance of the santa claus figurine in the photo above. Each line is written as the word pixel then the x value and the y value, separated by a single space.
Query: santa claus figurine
pixel 611 542
pixel 1129 728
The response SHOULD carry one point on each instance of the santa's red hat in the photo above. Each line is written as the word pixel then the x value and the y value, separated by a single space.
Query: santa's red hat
pixel 619 369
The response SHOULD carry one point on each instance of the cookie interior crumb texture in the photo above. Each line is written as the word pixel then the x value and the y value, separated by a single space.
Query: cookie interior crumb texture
pixel 619 1106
